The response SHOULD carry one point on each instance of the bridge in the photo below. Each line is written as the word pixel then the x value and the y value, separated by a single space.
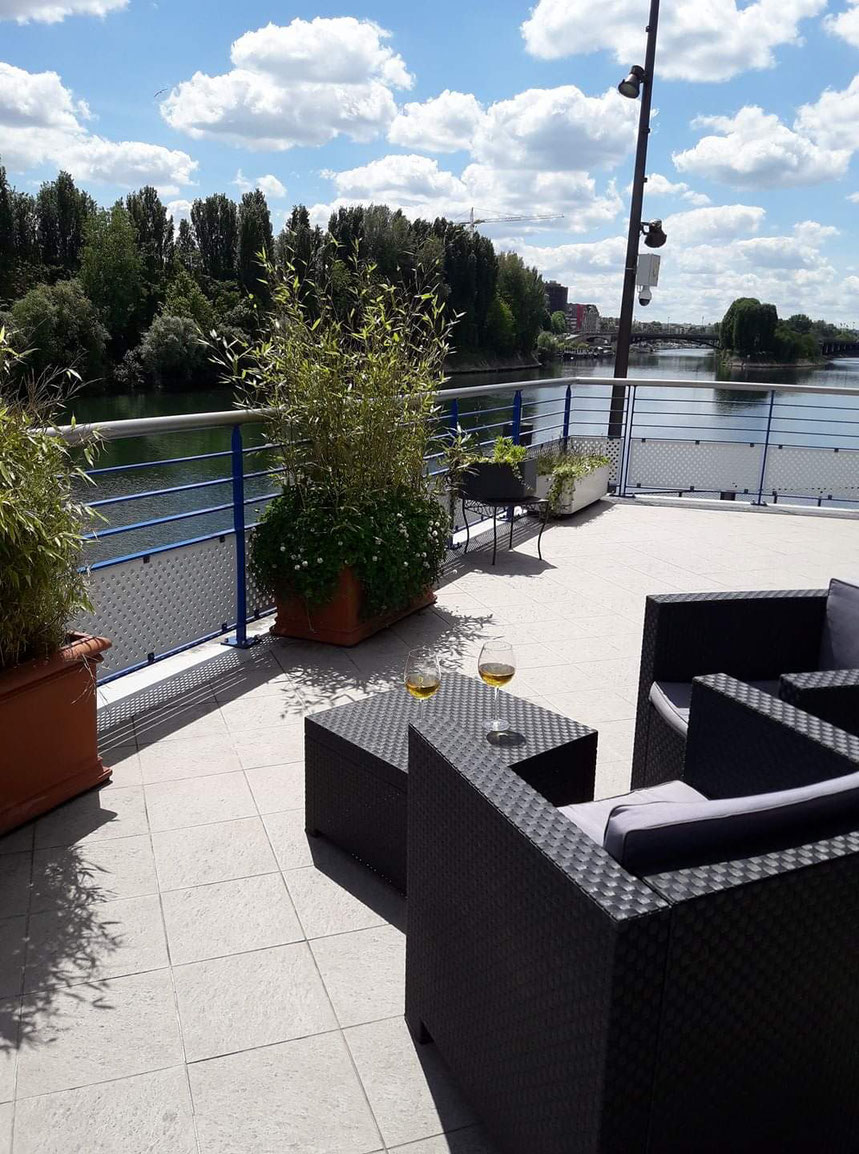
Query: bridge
pixel 833 347
pixel 690 337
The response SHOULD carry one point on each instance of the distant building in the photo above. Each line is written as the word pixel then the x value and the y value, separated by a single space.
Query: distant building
pixel 556 296
pixel 583 320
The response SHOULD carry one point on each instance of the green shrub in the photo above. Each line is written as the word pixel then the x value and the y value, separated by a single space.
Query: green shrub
pixel 505 452
pixel 41 589
pixel 60 328
pixel 173 352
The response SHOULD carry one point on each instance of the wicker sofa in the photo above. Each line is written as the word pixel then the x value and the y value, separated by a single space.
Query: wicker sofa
pixel 586 1010
pixel 771 639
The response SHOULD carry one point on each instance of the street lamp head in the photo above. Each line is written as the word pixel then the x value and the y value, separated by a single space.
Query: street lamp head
pixel 631 86
pixel 654 234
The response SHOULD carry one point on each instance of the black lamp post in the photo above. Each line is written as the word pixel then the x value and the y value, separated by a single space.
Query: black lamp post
pixel 639 82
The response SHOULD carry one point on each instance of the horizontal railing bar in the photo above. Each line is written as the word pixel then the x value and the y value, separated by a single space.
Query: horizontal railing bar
pixel 180 488
pixel 136 525
pixel 152 464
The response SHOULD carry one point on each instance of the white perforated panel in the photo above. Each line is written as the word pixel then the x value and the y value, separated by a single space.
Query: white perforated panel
pixel 708 466
pixel 799 472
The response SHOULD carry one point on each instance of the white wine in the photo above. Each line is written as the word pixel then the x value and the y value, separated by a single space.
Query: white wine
pixel 422 685
pixel 496 673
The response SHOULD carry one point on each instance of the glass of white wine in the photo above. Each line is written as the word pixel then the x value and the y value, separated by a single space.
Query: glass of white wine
pixel 496 665
pixel 423 674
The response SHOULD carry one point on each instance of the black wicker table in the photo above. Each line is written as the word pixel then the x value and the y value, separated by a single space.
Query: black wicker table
pixel 356 762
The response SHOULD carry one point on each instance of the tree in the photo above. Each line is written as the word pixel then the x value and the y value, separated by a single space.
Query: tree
pixel 799 322
pixel 8 253
pixel 62 211
pixel 173 353
pixel 256 241
pixel 559 322
pixel 154 228
pixel 749 327
pixel 522 289
pixel 111 273
pixel 500 333
pixel 215 223
pixel 185 298
pixel 61 328
pixel 186 251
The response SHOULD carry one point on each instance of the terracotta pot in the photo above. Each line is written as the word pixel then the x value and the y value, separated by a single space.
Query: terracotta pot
pixel 340 621
pixel 48 736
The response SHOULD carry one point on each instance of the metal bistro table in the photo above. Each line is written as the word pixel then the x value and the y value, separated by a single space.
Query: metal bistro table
pixel 356 763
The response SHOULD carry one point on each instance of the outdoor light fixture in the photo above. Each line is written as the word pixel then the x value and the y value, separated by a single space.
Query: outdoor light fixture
pixel 654 234
pixel 631 87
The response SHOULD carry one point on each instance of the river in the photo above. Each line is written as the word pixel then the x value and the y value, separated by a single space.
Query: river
pixel 718 413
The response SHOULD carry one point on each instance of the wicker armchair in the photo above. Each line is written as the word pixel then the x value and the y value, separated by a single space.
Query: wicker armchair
pixel 583 1010
pixel 755 637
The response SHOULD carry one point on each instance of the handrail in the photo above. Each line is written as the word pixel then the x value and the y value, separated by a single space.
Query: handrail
pixel 184 422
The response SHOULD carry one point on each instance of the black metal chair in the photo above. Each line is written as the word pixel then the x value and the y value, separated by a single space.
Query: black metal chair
pixel 496 486
pixel 585 1010
pixel 771 638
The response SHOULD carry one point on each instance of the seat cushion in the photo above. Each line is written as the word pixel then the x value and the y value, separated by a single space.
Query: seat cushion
pixel 839 642
pixel 592 816
pixel 666 835
pixel 671 700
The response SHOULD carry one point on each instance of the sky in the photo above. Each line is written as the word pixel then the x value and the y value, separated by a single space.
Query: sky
pixel 504 108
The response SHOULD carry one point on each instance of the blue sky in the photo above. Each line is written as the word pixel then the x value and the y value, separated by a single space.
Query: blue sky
pixel 511 109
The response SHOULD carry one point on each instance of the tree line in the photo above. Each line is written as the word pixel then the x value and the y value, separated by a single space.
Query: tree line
pixel 752 329
pixel 127 297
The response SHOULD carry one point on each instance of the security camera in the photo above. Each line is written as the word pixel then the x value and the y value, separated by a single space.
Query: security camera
pixel 645 296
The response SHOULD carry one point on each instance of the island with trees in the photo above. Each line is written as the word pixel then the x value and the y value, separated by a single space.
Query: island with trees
pixel 752 332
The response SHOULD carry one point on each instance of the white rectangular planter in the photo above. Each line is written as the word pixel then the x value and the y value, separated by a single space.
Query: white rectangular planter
pixel 576 494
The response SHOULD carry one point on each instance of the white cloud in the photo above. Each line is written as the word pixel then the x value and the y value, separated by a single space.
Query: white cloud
pixel 660 186
pixel 723 222
pixel 41 123
pixel 702 278
pixel 754 149
pixel 854 196
pixel 845 24
pixel 300 84
pixel 179 209
pixel 446 123
pixel 53 11
pixel 273 188
pixel 698 39
pixel 833 120
pixel 418 186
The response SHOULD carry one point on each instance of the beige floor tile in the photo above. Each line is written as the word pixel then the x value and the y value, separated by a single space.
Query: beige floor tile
pixel 194 757
pixel 198 801
pixel 100 815
pixel 364 973
pixel 251 714
pixel 300 1096
pixel 6 1109
pixel 19 841
pixel 289 841
pixel 410 1091
pixel 212 853
pixel 10 1009
pixel 146 1114
pixel 92 942
pixel 15 869
pixel 229 918
pixel 124 764
pixel 13 943
pixel 325 907
pixel 70 877
pixel 249 1000
pixel 471 1140
pixel 180 724
pixel 277 787
pixel 273 746
pixel 92 1033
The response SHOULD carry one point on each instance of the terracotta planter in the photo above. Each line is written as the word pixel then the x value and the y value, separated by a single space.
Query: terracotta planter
pixel 48 738
pixel 340 621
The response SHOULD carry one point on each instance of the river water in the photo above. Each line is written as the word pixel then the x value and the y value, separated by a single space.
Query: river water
pixel 720 413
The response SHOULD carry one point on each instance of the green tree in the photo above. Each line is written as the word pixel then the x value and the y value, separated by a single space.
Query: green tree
pixel 500 333
pixel 749 327
pixel 62 211
pixel 799 322
pixel 154 228
pixel 255 241
pixel 186 251
pixel 215 223
pixel 173 354
pixel 559 323
pixel 8 247
pixel 111 273
pixel 522 289
pixel 60 326
pixel 185 298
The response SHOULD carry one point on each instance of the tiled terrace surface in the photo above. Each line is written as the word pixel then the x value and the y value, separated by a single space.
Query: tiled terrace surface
pixel 180 971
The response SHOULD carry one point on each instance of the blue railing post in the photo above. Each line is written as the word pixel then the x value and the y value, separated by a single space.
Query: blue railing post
pixel 568 400
pixel 766 450
pixel 241 639
pixel 517 416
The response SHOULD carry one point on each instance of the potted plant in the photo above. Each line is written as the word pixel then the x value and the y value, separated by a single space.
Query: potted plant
pixel 47 675
pixel 509 474
pixel 358 536
pixel 571 480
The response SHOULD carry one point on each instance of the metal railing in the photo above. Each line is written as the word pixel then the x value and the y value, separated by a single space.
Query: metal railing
pixel 159 591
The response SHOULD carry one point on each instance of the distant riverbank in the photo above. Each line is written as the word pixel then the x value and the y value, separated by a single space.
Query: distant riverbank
pixel 457 365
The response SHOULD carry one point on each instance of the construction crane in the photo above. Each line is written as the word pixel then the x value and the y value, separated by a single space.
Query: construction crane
pixel 474 221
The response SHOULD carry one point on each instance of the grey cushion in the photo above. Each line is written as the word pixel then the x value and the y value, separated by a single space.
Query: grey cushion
pixel 671 700
pixel 647 839
pixel 591 816
pixel 839 644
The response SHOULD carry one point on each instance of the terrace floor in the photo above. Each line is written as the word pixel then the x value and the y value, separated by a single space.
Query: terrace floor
pixel 180 971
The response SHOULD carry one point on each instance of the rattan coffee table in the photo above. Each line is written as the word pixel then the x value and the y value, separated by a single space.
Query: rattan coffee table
pixel 356 763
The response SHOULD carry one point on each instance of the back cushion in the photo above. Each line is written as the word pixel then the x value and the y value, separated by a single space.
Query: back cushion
pixel 648 839
pixel 839 645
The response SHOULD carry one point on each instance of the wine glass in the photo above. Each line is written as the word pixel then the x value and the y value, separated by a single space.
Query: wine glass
pixel 423 674
pixel 496 665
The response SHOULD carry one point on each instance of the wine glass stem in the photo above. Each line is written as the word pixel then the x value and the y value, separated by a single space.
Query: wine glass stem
pixel 496 719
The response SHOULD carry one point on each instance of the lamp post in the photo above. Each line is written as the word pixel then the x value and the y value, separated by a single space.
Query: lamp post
pixel 639 82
